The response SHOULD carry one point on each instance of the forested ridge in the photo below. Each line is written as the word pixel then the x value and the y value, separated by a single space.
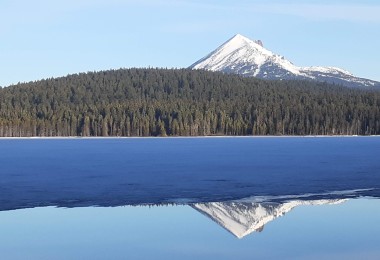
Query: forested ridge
pixel 171 102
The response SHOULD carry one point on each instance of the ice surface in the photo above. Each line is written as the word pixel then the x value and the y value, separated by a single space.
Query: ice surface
pixel 114 172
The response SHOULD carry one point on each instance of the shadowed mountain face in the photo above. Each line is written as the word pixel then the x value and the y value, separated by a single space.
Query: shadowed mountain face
pixel 246 57
pixel 244 218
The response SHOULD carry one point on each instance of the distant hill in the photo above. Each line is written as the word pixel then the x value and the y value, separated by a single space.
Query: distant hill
pixel 162 102
pixel 240 55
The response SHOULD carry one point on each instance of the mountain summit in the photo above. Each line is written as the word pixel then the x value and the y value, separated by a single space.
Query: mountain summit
pixel 240 55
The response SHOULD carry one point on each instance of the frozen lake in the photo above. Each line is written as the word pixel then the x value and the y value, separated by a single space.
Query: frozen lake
pixel 190 198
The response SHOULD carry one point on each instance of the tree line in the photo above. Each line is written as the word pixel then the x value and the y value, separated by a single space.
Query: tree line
pixel 183 102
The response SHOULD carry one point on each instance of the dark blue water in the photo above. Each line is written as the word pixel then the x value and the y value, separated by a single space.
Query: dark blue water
pixel 114 172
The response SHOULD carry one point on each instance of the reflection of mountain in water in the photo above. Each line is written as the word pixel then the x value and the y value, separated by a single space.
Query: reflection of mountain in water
pixel 243 218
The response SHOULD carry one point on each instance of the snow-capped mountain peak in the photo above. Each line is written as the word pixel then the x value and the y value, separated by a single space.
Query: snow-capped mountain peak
pixel 239 41
pixel 241 55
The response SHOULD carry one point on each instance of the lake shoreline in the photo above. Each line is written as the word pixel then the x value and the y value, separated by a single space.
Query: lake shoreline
pixel 185 137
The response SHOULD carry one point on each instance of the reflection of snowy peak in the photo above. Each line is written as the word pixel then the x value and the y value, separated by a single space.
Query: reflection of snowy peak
pixel 243 218
pixel 241 55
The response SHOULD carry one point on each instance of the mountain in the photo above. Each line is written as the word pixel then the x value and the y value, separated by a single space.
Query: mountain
pixel 246 57
pixel 243 218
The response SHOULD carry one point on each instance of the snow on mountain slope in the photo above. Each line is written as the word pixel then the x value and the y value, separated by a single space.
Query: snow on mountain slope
pixel 246 57
pixel 243 218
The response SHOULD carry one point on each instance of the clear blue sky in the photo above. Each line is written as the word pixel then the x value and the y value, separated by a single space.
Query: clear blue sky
pixel 44 38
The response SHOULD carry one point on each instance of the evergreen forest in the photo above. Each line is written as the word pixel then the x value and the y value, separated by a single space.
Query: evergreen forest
pixel 183 102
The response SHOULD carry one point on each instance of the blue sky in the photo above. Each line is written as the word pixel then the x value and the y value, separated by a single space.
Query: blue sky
pixel 41 38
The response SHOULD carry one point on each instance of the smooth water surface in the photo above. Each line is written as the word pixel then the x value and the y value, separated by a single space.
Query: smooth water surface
pixel 190 198
pixel 344 231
